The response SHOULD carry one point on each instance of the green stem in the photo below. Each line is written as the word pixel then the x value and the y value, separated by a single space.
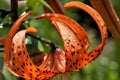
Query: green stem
pixel 53 46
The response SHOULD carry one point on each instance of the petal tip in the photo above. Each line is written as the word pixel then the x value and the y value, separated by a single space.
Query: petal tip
pixel 31 29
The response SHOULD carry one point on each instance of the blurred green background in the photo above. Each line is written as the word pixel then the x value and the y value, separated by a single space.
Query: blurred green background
pixel 105 67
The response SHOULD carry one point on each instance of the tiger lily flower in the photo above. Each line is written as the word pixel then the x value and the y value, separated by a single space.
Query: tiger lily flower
pixel 16 49
pixel 57 61
pixel 75 38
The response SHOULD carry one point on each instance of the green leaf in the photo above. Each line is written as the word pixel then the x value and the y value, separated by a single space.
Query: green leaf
pixel 8 75
pixel 32 4
pixel 46 4
pixel 34 45
pixel 4 31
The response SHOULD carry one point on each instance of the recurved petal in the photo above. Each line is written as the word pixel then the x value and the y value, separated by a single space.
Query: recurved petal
pixel 73 25
pixel 74 37
pixel 8 41
pixel 22 63
pixel 101 25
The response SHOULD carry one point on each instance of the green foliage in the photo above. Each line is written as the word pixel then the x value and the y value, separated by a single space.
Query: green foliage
pixel 8 75
pixel 31 4
pixel 46 4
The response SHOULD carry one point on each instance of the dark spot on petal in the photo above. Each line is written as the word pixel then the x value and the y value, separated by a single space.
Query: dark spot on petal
pixel 12 44
pixel 18 69
pixel 31 74
pixel 22 75
pixel 85 59
pixel 22 66
pixel 82 59
pixel 30 77
pixel 98 50
pixel 26 59
pixel 76 60
pixel 19 53
pixel 26 63
pixel 70 66
pixel 43 71
pixel 82 46
pixel 23 72
pixel 78 44
pixel 13 58
pixel 27 56
pixel 85 52
pixel 38 69
pixel 66 63
pixel 30 69
pixel 72 46
pixel 95 50
pixel 66 50
pixel 75 33
pixel 53 72
pixel 92 55
pixel 13 63
pixel 76 67
pixel 67 59
pixel 24 52
pixel 80 40
pixel 18 47
pixel 38 75
pixel 73 53
pixel 67 42
pixel 74 64
pixel 36 78
pixel 30 64
pixel 12 49
pixel 77 52
pixel 15 70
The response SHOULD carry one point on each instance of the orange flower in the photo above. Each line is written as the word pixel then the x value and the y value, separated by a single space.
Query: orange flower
pixel 8 41
pixel 22 63
pixel 74 37
pixel 74 56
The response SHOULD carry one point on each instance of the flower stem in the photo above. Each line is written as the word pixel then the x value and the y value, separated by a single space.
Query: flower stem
pixel 53 46
pixel 14 9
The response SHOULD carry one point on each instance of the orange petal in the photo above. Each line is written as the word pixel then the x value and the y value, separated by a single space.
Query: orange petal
pixel 8 41
pixel 21 61
pixel 108 13
pixel 94 14
pixel 78 30
pixel 55 61
pixel 31 29
pixel 74 46
pixel 101 25
pixel 74 37
pixel 59 64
